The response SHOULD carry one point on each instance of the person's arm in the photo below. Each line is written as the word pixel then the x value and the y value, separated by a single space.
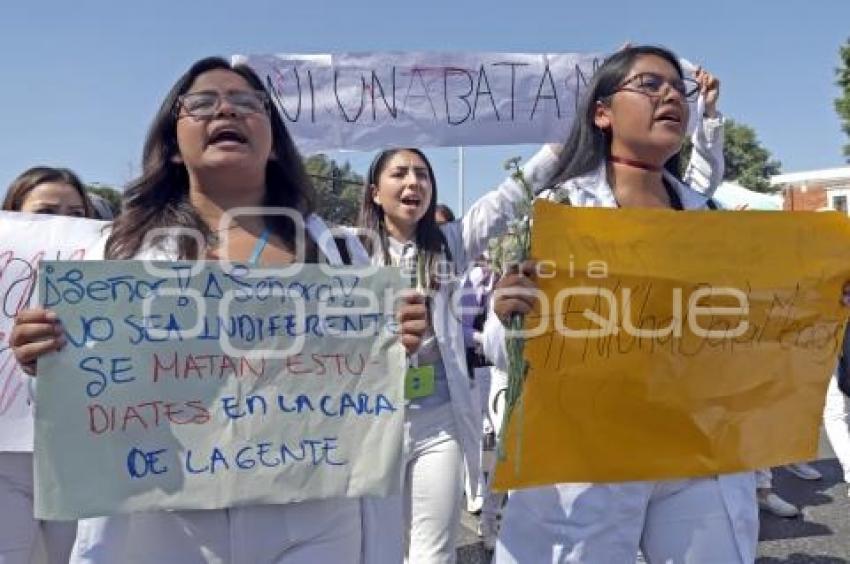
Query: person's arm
pixel 706 167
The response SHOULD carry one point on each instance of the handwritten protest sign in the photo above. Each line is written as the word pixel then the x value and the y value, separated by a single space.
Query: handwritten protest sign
pixel 25 240
pixel 676 344
pixel 197 386
pixel 363 101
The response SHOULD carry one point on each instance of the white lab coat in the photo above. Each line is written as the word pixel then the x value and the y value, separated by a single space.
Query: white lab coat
pixel 709 520
pixel 466 238
pixel 705 169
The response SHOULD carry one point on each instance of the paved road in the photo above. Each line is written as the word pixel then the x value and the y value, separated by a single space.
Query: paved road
pixel 820 536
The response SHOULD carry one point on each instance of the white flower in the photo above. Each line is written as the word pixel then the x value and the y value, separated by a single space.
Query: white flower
pixel 513 249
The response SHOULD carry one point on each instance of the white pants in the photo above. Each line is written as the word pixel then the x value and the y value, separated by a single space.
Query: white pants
pixel 295 533
pixel 24 539
pixel 836 420
pixel 496 410
pixel 672 522
pixel 433 484
pixel 473 486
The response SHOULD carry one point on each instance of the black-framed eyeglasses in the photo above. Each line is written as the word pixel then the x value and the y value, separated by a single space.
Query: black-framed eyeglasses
pixel 651 84
pixel 205 103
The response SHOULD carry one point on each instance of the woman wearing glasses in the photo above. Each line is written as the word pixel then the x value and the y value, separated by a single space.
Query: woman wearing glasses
pixel 623 151
pixel 442 425
pixel 216 145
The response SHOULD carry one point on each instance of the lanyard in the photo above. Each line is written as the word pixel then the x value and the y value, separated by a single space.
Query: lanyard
pixel 259 246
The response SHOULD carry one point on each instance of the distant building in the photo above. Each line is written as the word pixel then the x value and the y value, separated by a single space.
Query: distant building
pixel 812 190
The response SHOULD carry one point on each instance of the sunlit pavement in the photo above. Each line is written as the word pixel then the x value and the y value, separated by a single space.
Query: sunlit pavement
pixel 820 536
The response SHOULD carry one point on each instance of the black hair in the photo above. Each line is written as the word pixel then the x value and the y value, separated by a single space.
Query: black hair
pixel 446 212
pixel 587 146
pixel 159 198
pixel 429 237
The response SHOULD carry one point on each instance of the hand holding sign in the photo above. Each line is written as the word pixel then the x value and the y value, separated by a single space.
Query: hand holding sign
pixel 516 292
pixel 36 332
pixel 413 317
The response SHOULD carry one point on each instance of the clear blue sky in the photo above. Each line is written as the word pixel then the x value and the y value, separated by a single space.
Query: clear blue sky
pixel 83 79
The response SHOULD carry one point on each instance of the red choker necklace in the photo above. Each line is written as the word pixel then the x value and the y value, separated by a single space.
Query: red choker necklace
pixel 634 164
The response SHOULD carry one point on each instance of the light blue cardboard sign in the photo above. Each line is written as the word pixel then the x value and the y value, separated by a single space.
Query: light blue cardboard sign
pixel 194 386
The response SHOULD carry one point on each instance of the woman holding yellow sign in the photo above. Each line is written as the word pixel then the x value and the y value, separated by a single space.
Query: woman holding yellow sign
pixel 623 152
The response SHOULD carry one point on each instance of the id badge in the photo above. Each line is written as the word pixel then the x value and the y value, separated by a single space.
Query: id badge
pixel 419 382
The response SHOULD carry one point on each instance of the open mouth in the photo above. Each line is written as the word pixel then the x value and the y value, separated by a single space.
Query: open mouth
pixel 669 116
pixel 411 201
pixel 227 135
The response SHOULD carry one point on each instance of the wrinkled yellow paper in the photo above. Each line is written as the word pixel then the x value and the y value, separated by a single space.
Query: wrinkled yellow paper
pixel 617 407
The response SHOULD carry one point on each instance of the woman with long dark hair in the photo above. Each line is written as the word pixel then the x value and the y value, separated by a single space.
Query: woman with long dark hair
pixel 216 145
pixel 442 422
pixel 623 151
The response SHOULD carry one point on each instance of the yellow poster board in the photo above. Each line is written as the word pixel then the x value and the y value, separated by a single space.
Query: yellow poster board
pixel 634 376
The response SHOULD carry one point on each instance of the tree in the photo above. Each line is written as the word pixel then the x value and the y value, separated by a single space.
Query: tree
pixel 338 189
pixel 747 162
pixel 111 195
pixel 842 104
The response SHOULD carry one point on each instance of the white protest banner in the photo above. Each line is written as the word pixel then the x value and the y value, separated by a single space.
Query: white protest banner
pixel 25 240
pixel 200 386
pixel 362 101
